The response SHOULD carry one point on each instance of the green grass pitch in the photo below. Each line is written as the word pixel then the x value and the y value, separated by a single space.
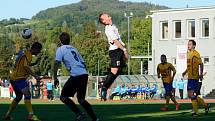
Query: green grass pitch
pixel 108 111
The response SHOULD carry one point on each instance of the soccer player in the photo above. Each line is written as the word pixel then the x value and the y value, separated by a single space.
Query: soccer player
pixel 194 64
pixel 117 52
pixel 19 81
pixel 166 71
pixel 77 83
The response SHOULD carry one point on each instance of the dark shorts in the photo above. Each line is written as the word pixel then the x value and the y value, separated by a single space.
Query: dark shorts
pixel 19 85
pixel 74 85
pixel 168 87
pixel 193 85
pixel 199 88
pixel 117 58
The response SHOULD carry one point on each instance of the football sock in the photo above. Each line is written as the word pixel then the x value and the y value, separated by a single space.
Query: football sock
pixel 88 109
pixel 202 102
pixel 174 100
pixel 195 106
pixel 29 106
pixel 12 107
pixel 71 105
pixel 109 80
pixel 167 101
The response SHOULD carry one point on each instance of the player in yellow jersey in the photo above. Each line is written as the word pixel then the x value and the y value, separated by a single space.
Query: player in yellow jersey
pixel 166 71
pixel 19 81
pixel 194 64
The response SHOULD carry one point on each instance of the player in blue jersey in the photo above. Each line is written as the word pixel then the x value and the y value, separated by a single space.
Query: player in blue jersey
pixel 77 83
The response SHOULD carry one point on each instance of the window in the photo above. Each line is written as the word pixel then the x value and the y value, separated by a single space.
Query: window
pixel 205 28
pixel 205 60
pixel 164 30
pixel 177 29
pixel 191 28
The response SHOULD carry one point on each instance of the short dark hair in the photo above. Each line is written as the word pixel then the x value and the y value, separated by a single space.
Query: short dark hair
pixel 36 45
pixel 163 55
pixel 193 41
pixel 64 38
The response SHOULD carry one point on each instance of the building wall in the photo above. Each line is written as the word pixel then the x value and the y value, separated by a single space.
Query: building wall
pixel 206 46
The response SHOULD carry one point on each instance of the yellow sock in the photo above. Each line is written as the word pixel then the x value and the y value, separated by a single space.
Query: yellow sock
pixel 201 101
pixel 12 107
pixel 195 106
pixel 167 100
pixel 29 106
pixel 174 100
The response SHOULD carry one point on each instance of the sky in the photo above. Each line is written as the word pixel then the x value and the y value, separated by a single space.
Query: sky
pixel 28 8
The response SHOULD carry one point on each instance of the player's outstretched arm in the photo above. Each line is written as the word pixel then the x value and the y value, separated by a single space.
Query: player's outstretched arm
pixel 184 73
pixel 201 71
pixel 30 71
pixel 56 67
pixel 158 72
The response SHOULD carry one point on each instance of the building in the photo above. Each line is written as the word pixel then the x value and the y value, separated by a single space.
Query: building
pixel 171 30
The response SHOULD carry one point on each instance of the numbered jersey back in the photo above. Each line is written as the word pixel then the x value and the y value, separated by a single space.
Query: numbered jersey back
pixel 72 60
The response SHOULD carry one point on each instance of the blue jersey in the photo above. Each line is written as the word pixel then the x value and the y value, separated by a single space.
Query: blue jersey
pixel 181 84
pixel 117 89
pixel 71 59
pixel 49 86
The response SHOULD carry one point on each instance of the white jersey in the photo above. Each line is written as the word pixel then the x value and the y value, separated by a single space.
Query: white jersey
pixel 112 34
pixel 71 59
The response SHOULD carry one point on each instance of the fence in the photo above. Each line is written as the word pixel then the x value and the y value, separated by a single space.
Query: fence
pixel 94 85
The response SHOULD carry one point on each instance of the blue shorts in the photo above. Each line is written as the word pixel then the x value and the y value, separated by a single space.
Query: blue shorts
pixel 19 85
pixel 168 87
pixel 192 84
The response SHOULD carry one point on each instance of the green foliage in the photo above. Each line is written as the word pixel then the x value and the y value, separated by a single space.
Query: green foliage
pixel 80 20
pixel 6 56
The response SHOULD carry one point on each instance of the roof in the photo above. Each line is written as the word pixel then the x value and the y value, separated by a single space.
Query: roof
pixel 184 9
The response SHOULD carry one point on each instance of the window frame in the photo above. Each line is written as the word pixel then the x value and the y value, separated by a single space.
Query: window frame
pixel 191 20
pixel 161 30
pixel 201 25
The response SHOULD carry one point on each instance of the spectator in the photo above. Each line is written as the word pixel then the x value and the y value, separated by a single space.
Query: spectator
pixel 133 92
pixel 153 90
pixel 123 91
pixel 139 91
pixel 162 93
pixel 143 90
pixel 147 91
pixel 50 86
pixel 181 88
pixel 128 90
pixel 11 91
pixel 115 92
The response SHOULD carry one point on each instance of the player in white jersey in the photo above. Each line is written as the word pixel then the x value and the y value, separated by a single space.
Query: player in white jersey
pixel 77 83
pixel 117 52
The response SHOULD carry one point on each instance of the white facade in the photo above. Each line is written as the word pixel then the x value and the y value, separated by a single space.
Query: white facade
pixel 174 27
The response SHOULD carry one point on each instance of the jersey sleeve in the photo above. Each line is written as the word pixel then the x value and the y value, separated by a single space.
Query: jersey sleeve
pixel 110 34
pixel 27 58
pixel 158 70
pixel 198 58
pixel 59 55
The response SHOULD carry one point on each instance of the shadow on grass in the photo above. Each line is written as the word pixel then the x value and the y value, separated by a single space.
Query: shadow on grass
pixel 110 112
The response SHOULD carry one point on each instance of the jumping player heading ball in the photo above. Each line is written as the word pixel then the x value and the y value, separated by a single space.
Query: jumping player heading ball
pixel 117 52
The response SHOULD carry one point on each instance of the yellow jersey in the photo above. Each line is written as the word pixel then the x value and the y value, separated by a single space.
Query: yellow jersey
pixel 165 70
pixel 24 59
pixel 193 62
